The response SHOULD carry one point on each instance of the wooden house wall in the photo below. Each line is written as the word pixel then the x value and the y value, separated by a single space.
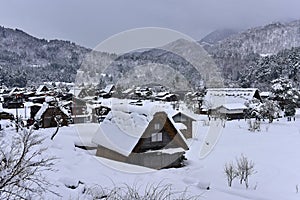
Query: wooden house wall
pixel 156 160
pixel 110 154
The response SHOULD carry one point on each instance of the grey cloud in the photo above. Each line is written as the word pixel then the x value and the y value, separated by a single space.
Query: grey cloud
pixel 90 22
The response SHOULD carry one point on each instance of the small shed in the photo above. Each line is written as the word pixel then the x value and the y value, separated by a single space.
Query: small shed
pixel 187 120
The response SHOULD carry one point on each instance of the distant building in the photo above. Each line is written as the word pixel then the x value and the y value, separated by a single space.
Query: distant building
pixel 107 91
pixel 47 113
pixel 42 90
pixel 230 111
pixel 79 92
pixel 13 101
pixel 229 102
pixel 166 96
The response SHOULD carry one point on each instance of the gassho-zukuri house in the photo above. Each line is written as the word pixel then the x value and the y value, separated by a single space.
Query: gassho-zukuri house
pixel 228 102
pixel 139 137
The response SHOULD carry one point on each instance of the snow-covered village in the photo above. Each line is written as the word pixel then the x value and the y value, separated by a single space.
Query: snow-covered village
pixel 149 112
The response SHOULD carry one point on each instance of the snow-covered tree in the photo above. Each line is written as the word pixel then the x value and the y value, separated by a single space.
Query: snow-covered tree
pixel 286 95
pixel 268 110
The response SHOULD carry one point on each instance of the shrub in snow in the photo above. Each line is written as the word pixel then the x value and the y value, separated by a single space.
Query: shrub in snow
pixel 289 111
pixel 245 168
pixel 22 163
pixel 230 172
pixel 157 192
pixel 254 125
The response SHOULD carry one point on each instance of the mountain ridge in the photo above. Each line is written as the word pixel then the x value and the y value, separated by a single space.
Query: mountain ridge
pixel 27 60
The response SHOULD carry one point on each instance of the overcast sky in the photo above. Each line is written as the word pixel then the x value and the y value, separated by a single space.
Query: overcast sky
pixel 88 22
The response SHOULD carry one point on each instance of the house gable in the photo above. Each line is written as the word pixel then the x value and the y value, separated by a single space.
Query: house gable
pixel 83 93
pixel 160 134
pixel 48 114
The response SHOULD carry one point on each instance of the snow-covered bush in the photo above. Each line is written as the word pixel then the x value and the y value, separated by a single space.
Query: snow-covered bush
pixel 287 95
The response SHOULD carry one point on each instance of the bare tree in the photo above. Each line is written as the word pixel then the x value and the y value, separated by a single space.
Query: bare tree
pixel 245 168
pixel 230 172
pixel 22 163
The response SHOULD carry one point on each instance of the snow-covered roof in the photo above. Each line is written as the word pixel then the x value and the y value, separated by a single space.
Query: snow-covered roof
pixel 220 96
pixel 75 91
pixel 180 126
pixel 162 94
pixel 108 88
pixel 120 132
pixel 124 126
pixel 2 91
pixel 165 96
pixel 49 99
pixel 234 106
pixel 128 91
pixel 41 111
pixel 265 94
pixel 167 151
pixel 12 91
pixel 36 97
pixel 40 88
pixel 186 113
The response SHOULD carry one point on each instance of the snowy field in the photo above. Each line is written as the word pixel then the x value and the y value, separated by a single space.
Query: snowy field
pixel 274 150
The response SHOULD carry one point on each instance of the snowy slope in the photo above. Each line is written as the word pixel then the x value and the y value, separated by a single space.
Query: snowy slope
pixel 274 151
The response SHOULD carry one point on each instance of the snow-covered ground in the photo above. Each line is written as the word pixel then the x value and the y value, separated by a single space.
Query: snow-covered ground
pixel 274 150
